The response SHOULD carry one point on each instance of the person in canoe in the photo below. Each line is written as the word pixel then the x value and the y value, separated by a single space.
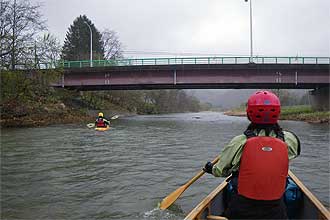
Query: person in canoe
pixel 258 161
pixel 101 122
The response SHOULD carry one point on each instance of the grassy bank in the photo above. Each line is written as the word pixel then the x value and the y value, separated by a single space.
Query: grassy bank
pixel 304 113
pixel 297 113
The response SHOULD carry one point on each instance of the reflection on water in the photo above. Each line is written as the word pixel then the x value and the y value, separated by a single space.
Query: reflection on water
pixel 72 172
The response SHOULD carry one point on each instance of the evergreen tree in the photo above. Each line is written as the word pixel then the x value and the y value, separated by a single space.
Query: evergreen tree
pixel 77 41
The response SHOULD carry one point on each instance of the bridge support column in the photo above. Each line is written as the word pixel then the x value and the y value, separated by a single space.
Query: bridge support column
pixel 320 99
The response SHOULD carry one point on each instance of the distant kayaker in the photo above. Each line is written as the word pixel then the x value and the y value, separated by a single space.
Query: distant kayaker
pixel 258 161
pixel 101 122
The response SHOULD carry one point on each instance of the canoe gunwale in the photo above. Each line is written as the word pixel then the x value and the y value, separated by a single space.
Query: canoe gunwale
pixel 205 203
pixel 323 211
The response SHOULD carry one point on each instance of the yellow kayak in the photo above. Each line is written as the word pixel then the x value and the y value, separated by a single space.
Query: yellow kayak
pixel 102 128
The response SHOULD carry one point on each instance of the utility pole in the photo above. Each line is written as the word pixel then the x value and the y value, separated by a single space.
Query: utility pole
pixel 251 42
pixel 91 46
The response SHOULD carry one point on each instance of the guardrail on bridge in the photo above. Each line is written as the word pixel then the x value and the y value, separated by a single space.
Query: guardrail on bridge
pixel 185 60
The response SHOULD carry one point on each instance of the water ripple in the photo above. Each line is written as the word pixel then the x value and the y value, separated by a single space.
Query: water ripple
pixel 72 172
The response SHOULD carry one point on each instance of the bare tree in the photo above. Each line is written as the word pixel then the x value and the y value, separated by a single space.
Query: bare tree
pixel 48 49
pixel 20 22
pixel 5 28
pixel 112 45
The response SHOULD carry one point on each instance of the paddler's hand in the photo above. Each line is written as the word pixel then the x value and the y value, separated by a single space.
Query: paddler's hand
pixel 208 167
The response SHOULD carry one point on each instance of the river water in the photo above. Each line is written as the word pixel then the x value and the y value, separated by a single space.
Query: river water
pixel 73 172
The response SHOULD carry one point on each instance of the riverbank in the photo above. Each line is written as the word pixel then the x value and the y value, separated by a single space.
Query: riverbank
pixel 66 115
pixel 57 114
pixel 296 113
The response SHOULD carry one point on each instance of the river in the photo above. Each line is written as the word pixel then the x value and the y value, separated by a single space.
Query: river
pixel 73 172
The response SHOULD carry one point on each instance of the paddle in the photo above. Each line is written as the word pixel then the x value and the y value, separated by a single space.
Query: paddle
pixel 92 125
pixel 114 117
pixel 171 198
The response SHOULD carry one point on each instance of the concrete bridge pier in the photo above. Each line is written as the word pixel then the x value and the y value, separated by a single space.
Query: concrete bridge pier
pixel 320 99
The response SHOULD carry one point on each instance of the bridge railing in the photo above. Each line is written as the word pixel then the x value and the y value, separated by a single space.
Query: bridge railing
pixel 186 60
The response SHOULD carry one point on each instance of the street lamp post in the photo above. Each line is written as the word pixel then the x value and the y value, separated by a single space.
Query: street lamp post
pixel 91 55
pixel 251 44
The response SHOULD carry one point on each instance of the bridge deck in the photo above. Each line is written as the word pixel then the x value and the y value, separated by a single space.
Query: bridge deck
pixel 197 76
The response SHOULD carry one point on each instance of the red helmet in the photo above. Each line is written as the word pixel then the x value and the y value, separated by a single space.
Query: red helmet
pixel 263 107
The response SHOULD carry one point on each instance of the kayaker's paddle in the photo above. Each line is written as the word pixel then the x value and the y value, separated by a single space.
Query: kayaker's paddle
pixel 92 125
pixel 114 117
pixel 170 199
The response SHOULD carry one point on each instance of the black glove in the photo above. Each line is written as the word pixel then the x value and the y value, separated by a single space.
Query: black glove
pixel 208 167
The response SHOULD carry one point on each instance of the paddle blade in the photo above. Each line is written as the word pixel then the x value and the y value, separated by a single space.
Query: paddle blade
pixel 114 117
pixel 170 199
pixel 90 125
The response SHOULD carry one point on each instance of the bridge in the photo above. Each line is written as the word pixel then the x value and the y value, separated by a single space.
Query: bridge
pixel 200 73
pixel 197 73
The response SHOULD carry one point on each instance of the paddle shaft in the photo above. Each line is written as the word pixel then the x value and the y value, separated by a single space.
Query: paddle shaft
pixel 201 173
pixel 171 198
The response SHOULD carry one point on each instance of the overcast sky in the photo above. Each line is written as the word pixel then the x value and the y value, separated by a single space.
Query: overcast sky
pixel 202 27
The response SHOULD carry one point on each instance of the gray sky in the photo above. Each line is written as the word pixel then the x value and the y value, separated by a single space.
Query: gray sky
pixel 202 27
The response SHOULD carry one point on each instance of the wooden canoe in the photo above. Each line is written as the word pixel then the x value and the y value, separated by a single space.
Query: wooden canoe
pixel 213 205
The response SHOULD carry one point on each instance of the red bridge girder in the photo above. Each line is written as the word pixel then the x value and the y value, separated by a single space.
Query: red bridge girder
pixel 198 76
